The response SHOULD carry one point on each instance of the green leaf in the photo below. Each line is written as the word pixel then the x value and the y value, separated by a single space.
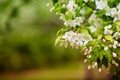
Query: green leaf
pixel 54 1
pixel 109 38
pixel 81 30
pixel 105 61
pixel 108 55
pixel 69 16
pixel 58 39
pixel 101 54
pixel 91 43
pixel 62 30
pixel 117 51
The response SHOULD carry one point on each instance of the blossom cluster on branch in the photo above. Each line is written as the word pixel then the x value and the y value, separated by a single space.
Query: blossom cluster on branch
pixel 92 26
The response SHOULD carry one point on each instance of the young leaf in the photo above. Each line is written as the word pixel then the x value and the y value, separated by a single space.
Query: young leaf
pixel 58 39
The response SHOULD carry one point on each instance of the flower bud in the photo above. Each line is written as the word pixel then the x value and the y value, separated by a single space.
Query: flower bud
pixel 114 54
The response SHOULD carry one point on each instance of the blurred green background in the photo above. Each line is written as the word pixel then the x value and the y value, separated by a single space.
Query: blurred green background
pixel 27 34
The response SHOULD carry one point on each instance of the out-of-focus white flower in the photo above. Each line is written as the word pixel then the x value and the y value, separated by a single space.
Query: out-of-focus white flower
pixel 100 70
pixel 116 35
pixel 47 4
pixel 82 11
pixel 87 38
pixel 95 64
pixel 118 6
pixel 62 17
pixel 105 48
pixel 75 45
pixel 63 6
pixel 79 20
pixel 85 60
pixel 114 54
pixel 51 9
pixel 92 18
pixel 92 28
pixel 89 67
pixel 75 22
pixel 86 1
pixel 80 39
pixel 71 5
pixel 116 64
pixel 108 11
pixel 101 4
pixel 115 14
pixel 107 30
pixel 76 40
pixel 97 22
pixel 68 35
pixel 108 27
pixel 89 56
pixel 64 43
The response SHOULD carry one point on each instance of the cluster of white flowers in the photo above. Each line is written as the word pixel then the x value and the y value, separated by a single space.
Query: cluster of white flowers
pixel 101 4
pixel 76 39
pixel 76 21
pixel 73 23
pixel 99 21
pixel 107 30
pixel 113 12
pixel 116 35
pixel 71 6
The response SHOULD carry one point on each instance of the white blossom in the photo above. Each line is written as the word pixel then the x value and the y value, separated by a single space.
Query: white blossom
pixel 105 48
pixel 75 45
pixel 118 6
pixel 116 35
pixel 92 17
pixel 108 11
pixel 115 14
pixel 63 43
pixel 86 1
pixel 101 4
pixel 82 11
pixel 114 54
pixel 71 5
pixel 107 30
pixel 100 70
pixel 76 39
pixel 89 67
pixel 92 29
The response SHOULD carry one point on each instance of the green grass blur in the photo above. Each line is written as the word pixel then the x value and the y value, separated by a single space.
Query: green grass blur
pixel 27 35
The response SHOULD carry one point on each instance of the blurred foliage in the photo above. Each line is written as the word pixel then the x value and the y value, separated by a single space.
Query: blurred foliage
pixel 27 36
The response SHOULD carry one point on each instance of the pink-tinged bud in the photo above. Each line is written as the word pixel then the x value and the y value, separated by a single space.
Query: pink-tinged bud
pixel 118 44
pixel 63 1
pixel 100 70
pixel 51 9
pixel 89 67
pixel 89 56
pixel 90 48
pixel 113 62
pixel 105 48
pixel 114 46
pixel 95 64
pixel 85 53
pixel 103 40
pixel 116 64
pixel 85 60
